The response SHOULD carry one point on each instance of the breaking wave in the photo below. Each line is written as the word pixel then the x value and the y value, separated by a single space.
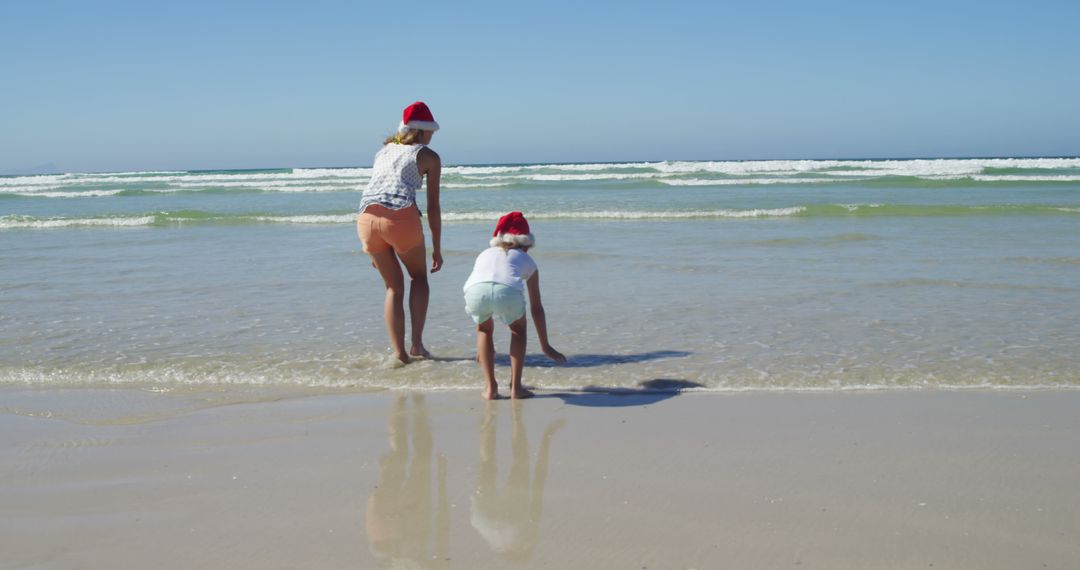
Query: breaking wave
pixel 991 172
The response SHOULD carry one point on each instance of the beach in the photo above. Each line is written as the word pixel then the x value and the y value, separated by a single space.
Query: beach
pixel 733 275
pixel 804 282
pixel 638 479
pixel 771 364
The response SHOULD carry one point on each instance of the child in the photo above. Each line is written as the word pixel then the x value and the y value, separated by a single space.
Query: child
pixel 497 287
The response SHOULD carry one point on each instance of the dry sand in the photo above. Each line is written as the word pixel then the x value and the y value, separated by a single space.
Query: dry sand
pixel 128 479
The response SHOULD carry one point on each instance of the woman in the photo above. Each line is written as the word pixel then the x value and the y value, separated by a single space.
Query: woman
pixel 390 229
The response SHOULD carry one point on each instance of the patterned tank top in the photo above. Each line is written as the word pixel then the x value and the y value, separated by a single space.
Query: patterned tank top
pixel 395 178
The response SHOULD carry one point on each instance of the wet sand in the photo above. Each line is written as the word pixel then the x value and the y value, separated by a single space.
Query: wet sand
pixel 126 479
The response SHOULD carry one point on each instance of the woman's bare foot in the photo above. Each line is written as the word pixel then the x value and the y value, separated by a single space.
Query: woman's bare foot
pixel 491 394
pixel 403 358
pixel 419 352
pixel 521 393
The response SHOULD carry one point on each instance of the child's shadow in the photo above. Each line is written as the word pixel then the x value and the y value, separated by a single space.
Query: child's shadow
pixel 649 392
pixel 573 360
pixel 590 360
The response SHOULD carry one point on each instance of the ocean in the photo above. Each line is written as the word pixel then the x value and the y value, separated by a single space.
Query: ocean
pixel 774 275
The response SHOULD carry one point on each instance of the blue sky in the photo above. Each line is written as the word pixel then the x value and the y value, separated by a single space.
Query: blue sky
pixel 109 85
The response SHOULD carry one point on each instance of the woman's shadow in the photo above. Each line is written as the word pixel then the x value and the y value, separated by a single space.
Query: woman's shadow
pixel 406 525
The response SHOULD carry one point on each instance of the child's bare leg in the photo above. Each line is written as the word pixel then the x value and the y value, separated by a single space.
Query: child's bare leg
pixel 485 355
pixel 518 340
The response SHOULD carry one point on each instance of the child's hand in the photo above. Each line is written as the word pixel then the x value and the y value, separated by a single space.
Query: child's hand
pixel 555 355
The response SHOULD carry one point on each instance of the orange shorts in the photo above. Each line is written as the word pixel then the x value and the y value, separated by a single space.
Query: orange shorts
pixel 381 228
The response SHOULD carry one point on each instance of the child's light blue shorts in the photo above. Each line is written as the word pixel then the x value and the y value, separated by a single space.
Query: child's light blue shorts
pixel 483 300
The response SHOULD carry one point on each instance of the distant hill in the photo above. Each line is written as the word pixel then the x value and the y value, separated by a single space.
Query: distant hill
pixel 47 168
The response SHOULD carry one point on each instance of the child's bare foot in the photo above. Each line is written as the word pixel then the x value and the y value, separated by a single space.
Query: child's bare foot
pixel 521 393
pixel 419 352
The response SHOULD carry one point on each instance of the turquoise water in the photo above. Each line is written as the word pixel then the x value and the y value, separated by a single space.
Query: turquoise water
pixel 760 275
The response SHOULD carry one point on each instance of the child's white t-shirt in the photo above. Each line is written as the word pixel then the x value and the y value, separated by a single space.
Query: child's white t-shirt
pixel 510 267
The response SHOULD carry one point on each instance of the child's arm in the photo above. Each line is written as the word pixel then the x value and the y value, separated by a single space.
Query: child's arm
pixel 540 320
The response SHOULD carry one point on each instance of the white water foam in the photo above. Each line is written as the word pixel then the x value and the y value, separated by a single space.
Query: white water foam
pixel 22 222
pixel 780 171
pixel 476 185
pixel 917 167
pixel 857 207
pixel 129 173
pixel 55 181
pixel 743 181
pixel 1023 178
pixel 277 186
pixel 309 219
pixel 25 222
pixel 635 215
pixel 583 167
pixel 672 173
pixel 332 172
pixel 585 177
pixel 75 180
pixel 74 194
pixel 461 376
pixel 47 179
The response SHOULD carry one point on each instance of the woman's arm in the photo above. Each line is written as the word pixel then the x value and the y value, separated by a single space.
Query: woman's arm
pixel 540 319
pixel 431 166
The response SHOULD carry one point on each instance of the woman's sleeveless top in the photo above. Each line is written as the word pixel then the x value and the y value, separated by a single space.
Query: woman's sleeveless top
pixel 395 178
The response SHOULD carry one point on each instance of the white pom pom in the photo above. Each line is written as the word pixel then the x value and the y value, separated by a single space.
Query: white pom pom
pixel 520 240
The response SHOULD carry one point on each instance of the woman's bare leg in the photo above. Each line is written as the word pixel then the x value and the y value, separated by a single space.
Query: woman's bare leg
pixel 415 261
pixel 394 305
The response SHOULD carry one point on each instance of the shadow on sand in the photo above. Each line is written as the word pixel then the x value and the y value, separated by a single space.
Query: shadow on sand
pixel 574 360
pixel 648 392
pixel 590 360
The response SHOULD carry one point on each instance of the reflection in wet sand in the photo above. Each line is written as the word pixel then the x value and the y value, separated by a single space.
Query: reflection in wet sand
pixel 509 519
pixel 401 514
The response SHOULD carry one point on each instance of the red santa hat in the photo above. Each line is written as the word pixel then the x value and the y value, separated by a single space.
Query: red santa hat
pixel 512 229
pixel 417 116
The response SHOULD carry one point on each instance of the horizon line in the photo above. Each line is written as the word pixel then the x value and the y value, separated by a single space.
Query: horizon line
pixel 14 172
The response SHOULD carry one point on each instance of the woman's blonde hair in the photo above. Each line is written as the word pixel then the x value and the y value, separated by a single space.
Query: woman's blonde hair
pixel 513 241
pixel 408 136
